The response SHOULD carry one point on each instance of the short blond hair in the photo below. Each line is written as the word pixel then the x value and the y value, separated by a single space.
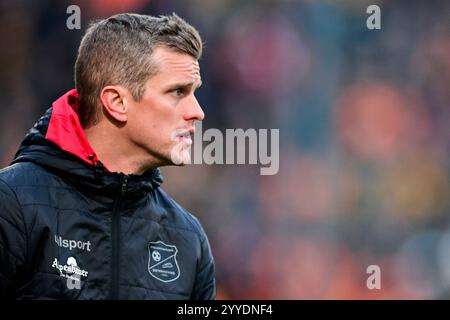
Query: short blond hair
pixel 118 50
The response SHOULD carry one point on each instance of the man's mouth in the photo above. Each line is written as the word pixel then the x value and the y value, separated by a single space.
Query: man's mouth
pixel 183 135
pixel 185 139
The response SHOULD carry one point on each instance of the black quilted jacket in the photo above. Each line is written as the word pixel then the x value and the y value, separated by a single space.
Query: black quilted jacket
pixel 70 229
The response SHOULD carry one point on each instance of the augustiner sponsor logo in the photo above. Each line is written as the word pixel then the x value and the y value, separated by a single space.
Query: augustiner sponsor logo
pixel 70 270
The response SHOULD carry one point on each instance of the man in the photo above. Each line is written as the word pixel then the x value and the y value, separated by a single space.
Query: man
pixel 82 213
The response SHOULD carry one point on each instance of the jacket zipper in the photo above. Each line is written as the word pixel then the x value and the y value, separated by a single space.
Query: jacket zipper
pixel 115 235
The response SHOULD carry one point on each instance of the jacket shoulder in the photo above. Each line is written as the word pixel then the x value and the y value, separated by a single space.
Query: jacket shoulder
pixel 30 182
pixel 178 216
pixel 22 173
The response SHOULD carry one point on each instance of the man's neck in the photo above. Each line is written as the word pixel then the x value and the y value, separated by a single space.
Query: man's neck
pixel 115 152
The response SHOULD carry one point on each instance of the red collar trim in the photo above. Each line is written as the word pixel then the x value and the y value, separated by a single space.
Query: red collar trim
pixel 65 129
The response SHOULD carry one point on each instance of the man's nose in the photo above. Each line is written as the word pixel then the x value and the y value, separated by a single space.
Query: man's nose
pixel 194 111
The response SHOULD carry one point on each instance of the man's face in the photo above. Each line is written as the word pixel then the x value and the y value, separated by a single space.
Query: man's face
pixel 162 123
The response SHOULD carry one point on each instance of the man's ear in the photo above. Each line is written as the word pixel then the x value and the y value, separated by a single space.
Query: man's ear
pixel 115 103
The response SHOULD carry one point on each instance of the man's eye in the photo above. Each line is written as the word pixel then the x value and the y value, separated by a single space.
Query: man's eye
pixel 179 92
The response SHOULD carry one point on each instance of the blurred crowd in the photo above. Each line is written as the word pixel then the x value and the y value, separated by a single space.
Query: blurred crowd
pixel 364 119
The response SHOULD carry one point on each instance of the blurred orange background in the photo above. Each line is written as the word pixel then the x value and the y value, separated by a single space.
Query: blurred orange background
pixel 364 136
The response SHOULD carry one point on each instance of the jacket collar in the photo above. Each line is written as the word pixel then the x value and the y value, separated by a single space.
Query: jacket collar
pixel 65 129
pixel 57 141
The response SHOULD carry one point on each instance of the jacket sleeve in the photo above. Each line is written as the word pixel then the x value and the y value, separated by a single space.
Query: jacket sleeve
pixel 205 283
pixel 12 240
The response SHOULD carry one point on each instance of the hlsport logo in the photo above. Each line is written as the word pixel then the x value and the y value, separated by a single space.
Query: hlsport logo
pixel 72 244
pixel 162 261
